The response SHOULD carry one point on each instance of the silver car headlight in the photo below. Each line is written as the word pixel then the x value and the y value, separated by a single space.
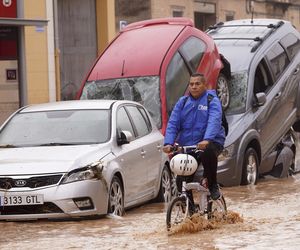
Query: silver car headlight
pixel 89 172
pixel 226 153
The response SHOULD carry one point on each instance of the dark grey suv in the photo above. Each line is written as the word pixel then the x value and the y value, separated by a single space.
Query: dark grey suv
pixel 264 55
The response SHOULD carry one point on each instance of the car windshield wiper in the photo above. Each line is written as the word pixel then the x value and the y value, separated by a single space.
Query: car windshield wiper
pixel 7 146
pixel 56 144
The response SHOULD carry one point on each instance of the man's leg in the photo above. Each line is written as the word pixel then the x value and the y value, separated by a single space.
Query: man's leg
pixel 209 160
pixel 179 180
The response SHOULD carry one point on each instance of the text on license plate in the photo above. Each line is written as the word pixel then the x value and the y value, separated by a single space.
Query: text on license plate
pixel 17 200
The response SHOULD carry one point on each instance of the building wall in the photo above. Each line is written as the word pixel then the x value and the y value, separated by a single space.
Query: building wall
pixel 239 9
pixel 9 98
pixel 36 49
pixel 161 9
pixel 236 8
pixel 106 30
pixel 272 9
pixel 132 11
pixel 294 16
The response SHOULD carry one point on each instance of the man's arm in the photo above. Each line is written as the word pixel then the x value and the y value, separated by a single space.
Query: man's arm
pixel 214 119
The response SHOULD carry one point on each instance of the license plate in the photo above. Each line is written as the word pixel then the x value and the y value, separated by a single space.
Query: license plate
pixel 18 200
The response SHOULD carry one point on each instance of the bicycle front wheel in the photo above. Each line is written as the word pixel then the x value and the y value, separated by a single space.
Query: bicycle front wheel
pixel 177 211
pixel 217 208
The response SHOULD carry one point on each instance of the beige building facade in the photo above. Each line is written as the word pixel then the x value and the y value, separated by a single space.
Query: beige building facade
pixel 208 12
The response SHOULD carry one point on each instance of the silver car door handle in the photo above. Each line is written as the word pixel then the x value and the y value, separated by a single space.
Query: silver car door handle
pixel 143 152
pixel 277 95
pixel 158 147
pixel 296 71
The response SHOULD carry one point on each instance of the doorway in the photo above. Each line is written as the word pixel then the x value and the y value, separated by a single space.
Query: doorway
pixel 9 83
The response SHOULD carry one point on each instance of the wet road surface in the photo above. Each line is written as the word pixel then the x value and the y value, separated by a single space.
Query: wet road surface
pixel 269 211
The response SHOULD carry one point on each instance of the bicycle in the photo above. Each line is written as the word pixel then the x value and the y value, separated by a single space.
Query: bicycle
pixel 181 207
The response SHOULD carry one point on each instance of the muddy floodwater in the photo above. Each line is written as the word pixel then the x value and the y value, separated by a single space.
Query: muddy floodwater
pixel 268 217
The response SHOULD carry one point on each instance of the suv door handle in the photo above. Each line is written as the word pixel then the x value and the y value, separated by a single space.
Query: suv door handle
pixel 296 71
pixel 277 95
pixel 158 147
pixel 143 153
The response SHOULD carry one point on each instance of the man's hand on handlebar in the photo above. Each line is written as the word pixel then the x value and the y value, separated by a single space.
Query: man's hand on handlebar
pixel 168 149
pixel 202 145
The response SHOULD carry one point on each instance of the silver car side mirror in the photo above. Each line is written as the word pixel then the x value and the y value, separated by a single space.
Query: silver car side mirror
pixel 124 137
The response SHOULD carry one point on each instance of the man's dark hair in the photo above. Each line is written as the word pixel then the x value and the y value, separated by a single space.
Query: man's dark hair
pixel 196 74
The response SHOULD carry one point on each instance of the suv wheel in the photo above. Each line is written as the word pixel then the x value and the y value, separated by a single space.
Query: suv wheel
pixel 250 168
pixel 223 90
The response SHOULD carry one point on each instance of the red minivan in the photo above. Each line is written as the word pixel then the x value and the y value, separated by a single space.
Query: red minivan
pixel 151 62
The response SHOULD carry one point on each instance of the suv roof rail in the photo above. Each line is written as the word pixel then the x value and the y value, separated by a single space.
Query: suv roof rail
pixel 260 40
pixel 213 27
pixel 175 21
pixel 222 24
pixel 272 28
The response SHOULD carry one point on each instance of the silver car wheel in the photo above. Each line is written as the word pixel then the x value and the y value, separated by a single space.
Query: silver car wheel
pixel 223 91
pixel 165 190
pixel 166 185
pixel 116 203
pixel 174 189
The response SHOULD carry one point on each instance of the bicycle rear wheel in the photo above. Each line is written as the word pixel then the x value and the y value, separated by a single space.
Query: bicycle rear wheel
pixel 177 211
pixel 216 208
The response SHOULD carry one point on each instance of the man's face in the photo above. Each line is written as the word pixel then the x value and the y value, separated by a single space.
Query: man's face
pixel 197 86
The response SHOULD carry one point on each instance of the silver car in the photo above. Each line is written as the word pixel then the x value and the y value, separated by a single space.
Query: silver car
pixel 80 158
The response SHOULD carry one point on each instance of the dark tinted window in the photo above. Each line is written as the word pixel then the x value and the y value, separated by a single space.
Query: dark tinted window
pixel 278 60
pixel 262 80
pixel 292 44
pixel 176 80
pixel 192 50
pixel 123 122
pixel 146 118
pixel 138 120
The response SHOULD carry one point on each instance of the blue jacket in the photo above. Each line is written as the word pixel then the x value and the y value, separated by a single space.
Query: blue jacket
pixel 196 121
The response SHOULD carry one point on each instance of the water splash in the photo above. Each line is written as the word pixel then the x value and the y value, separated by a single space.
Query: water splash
pixel 198 223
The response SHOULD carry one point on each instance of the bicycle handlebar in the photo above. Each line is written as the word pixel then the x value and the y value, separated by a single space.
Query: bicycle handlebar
pixel 184 149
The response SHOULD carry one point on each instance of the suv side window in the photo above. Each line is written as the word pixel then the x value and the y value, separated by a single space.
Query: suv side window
pixel 292 44
pixel 263 80
pixel 177 78
pixel 138 121
pixel 192 50
pixel 123 122
pixel 278 60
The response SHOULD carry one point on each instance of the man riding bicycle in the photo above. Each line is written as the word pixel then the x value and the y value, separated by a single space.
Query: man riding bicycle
pixel 197 120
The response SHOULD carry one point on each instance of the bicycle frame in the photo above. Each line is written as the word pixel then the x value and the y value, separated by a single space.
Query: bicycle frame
pixel 203 195
pixel 197 186
pixel 179 208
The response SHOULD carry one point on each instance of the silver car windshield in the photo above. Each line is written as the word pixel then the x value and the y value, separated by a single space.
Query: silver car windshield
pixel 54 128
pixel 144 90
pixel 238 93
